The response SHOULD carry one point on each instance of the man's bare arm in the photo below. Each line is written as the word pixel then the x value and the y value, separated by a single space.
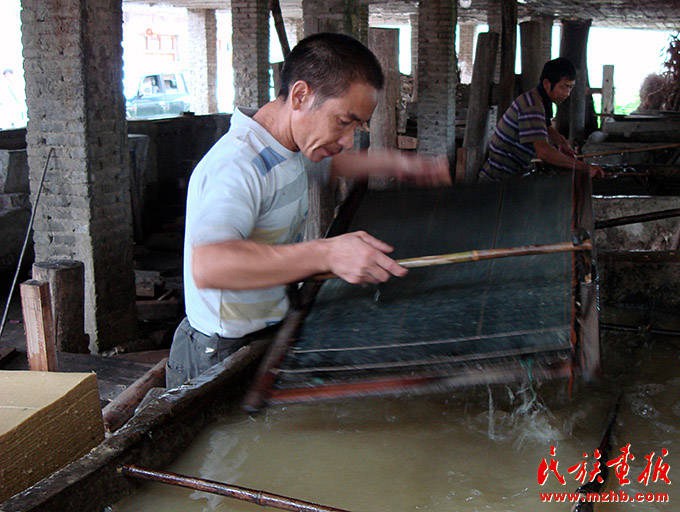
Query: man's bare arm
pixel 552 156
pixel 424 171
pixel 243 264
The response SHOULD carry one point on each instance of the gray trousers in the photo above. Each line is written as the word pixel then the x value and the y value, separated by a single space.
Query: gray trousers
pixel 192 352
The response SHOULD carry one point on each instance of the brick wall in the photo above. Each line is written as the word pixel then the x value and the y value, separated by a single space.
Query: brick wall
pixel 73 70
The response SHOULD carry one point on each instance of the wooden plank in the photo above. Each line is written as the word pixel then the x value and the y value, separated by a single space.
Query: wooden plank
pixel 66 279
pixel 37 311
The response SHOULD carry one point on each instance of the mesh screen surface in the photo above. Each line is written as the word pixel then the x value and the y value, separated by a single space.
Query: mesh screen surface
pixel 441 317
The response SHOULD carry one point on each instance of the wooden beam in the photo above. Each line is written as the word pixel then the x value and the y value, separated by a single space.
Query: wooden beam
pixel 532 55
pixel 122 408
pixel 37 312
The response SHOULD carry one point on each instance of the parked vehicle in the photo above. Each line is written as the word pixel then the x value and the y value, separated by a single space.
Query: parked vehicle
pixel 159 95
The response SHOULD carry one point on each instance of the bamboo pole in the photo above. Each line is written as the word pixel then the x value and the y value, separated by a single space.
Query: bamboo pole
pixel 262 498
pixel 483 254
pixel 629 150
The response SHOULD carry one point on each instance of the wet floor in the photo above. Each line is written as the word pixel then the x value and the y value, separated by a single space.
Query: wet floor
pixel 468 450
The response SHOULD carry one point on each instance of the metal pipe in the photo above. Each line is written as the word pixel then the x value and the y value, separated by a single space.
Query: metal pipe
pixel 262 498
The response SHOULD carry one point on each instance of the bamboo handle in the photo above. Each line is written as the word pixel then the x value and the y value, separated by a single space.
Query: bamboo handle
pixel 483 254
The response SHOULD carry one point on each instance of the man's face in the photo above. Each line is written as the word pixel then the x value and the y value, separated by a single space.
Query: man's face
pixel 326 129
pixel 560 91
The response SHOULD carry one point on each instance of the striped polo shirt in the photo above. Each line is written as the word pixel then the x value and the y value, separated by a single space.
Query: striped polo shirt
pixel 247 187
pixel 511 146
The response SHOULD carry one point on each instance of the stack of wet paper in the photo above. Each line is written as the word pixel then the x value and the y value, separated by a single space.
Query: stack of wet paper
pixel 47 420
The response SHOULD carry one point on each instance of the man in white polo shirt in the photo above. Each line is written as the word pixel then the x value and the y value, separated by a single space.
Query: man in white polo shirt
pixel 247 202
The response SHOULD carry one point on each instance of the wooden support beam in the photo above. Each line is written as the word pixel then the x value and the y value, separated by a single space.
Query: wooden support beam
pixel 532 54
pixel 37 312
pixel 66 279
pixel 121 408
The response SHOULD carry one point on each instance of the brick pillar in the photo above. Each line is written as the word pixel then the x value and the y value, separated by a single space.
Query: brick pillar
pixel 466 39
pixel 436 76
pixel 250 39
pixel 345 16
pixel 73 70
pixel 202 25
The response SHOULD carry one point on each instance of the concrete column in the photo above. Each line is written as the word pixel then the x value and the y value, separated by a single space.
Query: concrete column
pixel 203 50
pixel 347 17
pixel 73 70
pixel 413 21
pixel 494 20
pixel 250 40
pixel 384 42
pixel 466 39
pixel 436 76
pixel 536 41
pixel 571 114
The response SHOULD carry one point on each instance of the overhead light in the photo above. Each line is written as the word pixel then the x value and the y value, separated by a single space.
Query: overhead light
pixel 465 3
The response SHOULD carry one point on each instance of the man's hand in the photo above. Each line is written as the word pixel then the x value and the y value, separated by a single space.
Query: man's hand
pixel 360 258
pixel 423 171
pixel 596 171
pixel 565 148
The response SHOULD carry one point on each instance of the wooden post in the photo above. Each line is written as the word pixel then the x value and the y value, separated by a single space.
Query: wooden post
pixel 607 92
pixel 476 127
pixel 66 279
pixel 37 312
pixel 506 86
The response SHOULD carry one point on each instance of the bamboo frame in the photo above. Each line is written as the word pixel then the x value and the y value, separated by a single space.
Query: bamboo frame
pixel 583 352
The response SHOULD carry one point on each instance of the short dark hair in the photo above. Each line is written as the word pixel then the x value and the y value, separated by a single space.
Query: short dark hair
pixel 330 63
pixel 557 69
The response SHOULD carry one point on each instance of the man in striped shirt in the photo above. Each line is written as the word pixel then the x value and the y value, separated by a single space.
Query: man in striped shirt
pixel 247 202
pixel 525 130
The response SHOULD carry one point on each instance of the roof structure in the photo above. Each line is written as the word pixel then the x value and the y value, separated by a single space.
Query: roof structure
pixel 650 14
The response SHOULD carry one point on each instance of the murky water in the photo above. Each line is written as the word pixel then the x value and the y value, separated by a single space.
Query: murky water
pixel 470 450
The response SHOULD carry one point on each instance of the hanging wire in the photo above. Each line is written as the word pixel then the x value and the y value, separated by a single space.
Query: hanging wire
pixel 23 248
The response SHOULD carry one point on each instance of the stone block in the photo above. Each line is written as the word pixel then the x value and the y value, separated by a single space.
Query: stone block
pixel 13 171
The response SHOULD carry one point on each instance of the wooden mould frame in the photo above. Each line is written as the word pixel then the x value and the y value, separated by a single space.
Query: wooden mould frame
pixel 584 337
